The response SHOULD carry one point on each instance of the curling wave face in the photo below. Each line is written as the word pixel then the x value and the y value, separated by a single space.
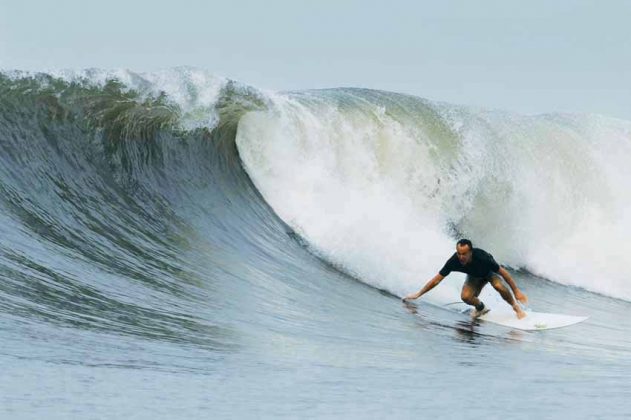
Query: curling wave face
pixel 125 211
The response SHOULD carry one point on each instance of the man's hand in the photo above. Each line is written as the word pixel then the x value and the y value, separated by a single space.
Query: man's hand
pixel 521 297
pixel 410 297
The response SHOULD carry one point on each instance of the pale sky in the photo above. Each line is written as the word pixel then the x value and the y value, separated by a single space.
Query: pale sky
pixel 526 56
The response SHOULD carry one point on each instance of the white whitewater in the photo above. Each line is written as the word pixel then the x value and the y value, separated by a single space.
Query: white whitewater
pixel 381 184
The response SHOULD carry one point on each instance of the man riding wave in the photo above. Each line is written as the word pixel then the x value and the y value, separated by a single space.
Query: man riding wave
pixel 481 268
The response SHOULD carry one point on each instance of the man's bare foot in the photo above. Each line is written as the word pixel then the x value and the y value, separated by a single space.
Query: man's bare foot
pixel 476 314
pixel 520 312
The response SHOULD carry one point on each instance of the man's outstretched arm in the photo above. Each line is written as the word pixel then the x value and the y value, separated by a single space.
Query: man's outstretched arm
pixel 429 286
pixel 518 294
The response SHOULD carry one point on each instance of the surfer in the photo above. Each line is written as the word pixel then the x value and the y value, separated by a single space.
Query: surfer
pixel 481 268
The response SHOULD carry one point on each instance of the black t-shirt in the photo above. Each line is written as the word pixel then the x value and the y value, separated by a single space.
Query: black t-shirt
pixel 481 264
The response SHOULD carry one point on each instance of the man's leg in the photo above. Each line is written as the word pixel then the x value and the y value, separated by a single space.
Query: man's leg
pixel 507 296
pixel 470 292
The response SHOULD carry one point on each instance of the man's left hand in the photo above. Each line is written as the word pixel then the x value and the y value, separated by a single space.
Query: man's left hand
pixel 521 297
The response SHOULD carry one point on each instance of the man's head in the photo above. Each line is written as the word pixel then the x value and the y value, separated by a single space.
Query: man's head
pixel 464 249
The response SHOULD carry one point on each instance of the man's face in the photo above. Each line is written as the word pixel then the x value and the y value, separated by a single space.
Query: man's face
pixel 464 254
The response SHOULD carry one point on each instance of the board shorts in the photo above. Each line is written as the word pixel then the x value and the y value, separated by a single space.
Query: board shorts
pixel 477 283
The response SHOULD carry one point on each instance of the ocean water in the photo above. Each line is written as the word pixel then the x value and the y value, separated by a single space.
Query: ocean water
pixel 180 245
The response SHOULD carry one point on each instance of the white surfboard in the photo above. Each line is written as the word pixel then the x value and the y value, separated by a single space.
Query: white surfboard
pixel 533 321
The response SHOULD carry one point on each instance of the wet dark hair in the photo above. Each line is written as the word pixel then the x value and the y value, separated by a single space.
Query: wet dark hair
pixel 464 242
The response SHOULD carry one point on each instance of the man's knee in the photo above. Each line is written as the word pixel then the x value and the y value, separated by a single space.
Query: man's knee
pixel 498 284
pixel 502 290
pixel 467 295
